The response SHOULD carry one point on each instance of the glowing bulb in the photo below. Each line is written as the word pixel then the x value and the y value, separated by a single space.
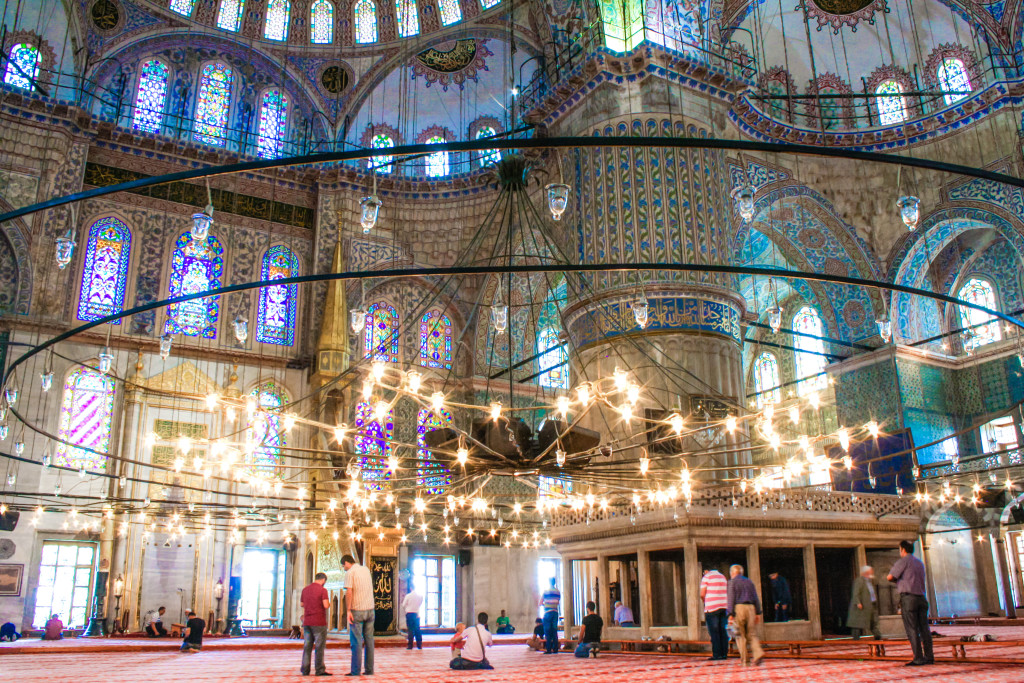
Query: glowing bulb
pixel 774 440
pixel 583 393
pixel 392 463
pixel 730 424
pixel 562 405
pixel 621 379
pixel 872 428
pixel 184 444
pixel 289 422
pixel 377 370
pixel 437 402
pixel 675 420
pixel 844 438
pixel 560 457
pixel 626 410
pixel 645 463
pixel 633 394
pixel 794 414
pixel 380 410
pixel 211 401
pixel 462 455
pixel 814 400
pixel 420 505
pixel 847 462
pixel 413 380
pixel 165 346
pixel 339 432
pixel 495 411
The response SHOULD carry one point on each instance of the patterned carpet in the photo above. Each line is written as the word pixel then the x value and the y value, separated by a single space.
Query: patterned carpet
pixel 513 664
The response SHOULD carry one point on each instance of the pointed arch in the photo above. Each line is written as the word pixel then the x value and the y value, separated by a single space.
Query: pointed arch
pixel 450 10
pixel 407 18
pixel 183 7
pixel 809 356
pixel 105 272
pixel 195 267
pixel 273 124
pixel 151 96
pixel 380 341
pixel 953 79
pixel 86 414
pixel 373 445
pixel 437 162
pixel 365 13
pixel 23 64
pixel 434 476
pixel 766 379
pixel 891 104
pixel 985 328
pixel 321 22
pixel 436 340
pixel 275 322
pixel 229 16
pixel 279 13
pixel 264 430
pixel 212 103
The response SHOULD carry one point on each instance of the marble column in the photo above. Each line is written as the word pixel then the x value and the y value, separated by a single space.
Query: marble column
pixel 811 583
pixel 643 575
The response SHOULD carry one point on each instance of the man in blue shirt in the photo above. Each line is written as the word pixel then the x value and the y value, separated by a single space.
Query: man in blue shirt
pixel 549 601
pixel 745 612
pixel 908 574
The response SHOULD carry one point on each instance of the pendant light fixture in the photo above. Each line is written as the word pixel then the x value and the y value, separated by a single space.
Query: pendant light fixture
pixel 369 208
pixel 910 210
pixel 775 312
pixel 65 249
pixel 165 345
pixel 744 198
pixel 640 309
pixel 558 199
pixel 202 221
pixel 241 328
pixel 357 316
pixel 106 360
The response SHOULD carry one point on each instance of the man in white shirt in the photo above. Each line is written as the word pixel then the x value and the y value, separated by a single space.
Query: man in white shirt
pixel 152 623
pixel 411 608
pixel 474 646
pixel 360 606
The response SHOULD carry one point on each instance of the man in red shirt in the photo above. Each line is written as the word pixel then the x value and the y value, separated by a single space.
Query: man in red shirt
pixel 315 603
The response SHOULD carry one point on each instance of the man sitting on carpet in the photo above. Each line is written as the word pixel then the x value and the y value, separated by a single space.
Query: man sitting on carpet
pixel 536 641
pixel 9 632
pixel 193 633
pixel 152 623
pixel 504 624
pixel 54 628
pixel 474 646
pixel 590 633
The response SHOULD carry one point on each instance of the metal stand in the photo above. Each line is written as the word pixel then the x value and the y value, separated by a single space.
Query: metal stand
pixel 97 623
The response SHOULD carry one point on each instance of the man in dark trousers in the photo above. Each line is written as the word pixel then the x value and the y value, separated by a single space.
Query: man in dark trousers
pixel 550 601
pixel 781 596
pixel 590 633
pixel 194 628
pixel 315 602
pixel 908 574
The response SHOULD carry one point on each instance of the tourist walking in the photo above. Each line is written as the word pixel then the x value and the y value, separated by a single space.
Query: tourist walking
pixel 781 596
pixel 550 601
pixel 360 605
pixel 863 613
pixel 714 591
pixel 411 608
pixel 315 602
pixel 908 574
pixel 745 612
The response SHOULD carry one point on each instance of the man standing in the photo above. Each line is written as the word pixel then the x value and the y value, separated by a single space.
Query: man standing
pixel 152 623
pixel 549 601
pixel 745 612
pixel 590 633
pixel 194 628
pixel 315 602
pixel 361 614
pixel 411 608
pixel 863 614
pixel 781 596
pixel 623 615
pixel 908 573
pixel 475 641
pixel 714 590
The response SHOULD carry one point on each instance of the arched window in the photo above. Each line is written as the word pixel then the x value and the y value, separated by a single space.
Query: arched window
pixel 195 267
pixel 489 156
pixel 408 18
pixel 985 327
pixel 430 474
pixel 381 339
pixel 265 432
pixel 488 4
pixel 212 104
pixel 23 66
pixel 889 100
pixel 953 80
pixel 810 356
pixel 373 445
pixel 436 340
pixel 151 96
pixel 552 359
pixel 451 11
pixel 366 21
pixel 437 163
pixel 273 124
pixel 321 21
pixel 766 379
pixel 229 17
pixel 106 269
pixel 85 420
pixel 183 7
pixel 278 13
pixel 383 162
pixel 275 323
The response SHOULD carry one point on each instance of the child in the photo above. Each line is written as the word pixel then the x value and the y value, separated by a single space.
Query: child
pixel 536 641
pixel 456 640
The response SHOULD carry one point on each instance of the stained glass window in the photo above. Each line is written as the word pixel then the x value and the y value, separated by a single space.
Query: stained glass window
pixel 436 340
pixel 488 156
pixel 552 359
pixel 151 96
pixel 810 355
pixel 373 444
pixel 891 108
pixel 106 269
pixel 23 66
pixel 553 487
pixel 407 17
pixel 276 321
pixel 383 163
pixel 273 124
pixel 212 104
pixel 432 475
pixel 85 414
pixel 766 379
pixel 953 79
pixel 183 7
pixel 195 267
pixel 265 431
pixel 437 163
pixel 381 338
pixel 276 26
pixel 985 327
pixel 451 12
pixel 321 21
pixel 229 17
pixel 366 21
pixel 488 4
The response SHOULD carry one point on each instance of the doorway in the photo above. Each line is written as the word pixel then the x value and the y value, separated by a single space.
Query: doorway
pixel 262 603
pixel 836 571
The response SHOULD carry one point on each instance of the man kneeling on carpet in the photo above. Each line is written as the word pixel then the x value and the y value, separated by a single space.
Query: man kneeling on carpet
pixel 152 622
pixel 590 633
pixel 193 633
pixel 474 646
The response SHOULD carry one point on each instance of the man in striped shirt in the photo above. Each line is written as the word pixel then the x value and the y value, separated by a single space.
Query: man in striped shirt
pixel 714 592
pixel 549 601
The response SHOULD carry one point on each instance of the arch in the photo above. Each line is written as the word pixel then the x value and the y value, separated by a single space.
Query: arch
pixel 407 18
pixel 490 156
pixel 14 234
pixel 373 445
pixel 984 327
pixel 24 62
pixel 278 15
pixel 151 96
pixel 86 414
pixel 105 271
pixel 380 340
pixel 229 16
pixel 435 477
pixel 436 340
pixel 264 432
pixel 450 10
pixel 766 379
pixel 183 7
pixel 952 68
pixel 195 267
pixel 953 79
pixel 809 366
pixel 275 321
pixel 321 22
pixel 891 104
pixel 213 101
pixel 436 163
pixel 552 357
pixel 273 123
pixel 365 15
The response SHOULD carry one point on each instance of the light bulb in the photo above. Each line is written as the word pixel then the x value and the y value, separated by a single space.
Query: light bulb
pixel 645 464
pixel 730 424
pixel 499 316
pixel 872 428
pixel 744 196
pixel 583 393
pixel 884 329
pixel 46 380
pixel 847 462
pixel 289 422
pixel 775 319
pixel 369 211
pixel 377 370
pixel 65 249
pixel 558 199
pixel 392 463
pixel 560 457
pixel 19 447
pixel 794 414
pixel 633 394
pixel 367 389
pixel 241 329
pixel 106 360
pixel 339 432
pixel 201 226
pixel 640 311
pixel 380 410
pixel 357 319
pixel 437 402
pixel 165 346
pixel 910 210
pixel 462 455
pixel 562 405
pixel 495 411
pixel 844 438
pixel 211 401
pixel 675 420
pixel 413 380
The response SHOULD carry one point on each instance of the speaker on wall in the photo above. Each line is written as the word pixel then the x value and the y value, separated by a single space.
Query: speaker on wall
pixel 9 520
pixel 464 558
